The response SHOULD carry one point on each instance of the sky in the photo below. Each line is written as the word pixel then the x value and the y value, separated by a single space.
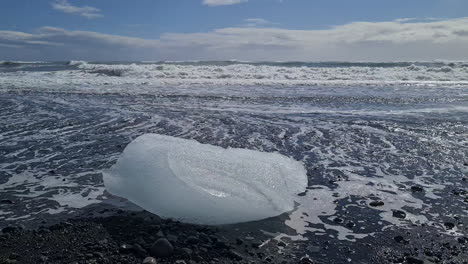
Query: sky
pixel 254 30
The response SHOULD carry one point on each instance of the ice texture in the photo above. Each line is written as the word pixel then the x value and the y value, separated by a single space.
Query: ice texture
pixel 205 184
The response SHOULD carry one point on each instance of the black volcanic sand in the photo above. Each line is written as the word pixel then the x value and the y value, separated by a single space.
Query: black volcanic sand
pixel 128 237
pixel 70 138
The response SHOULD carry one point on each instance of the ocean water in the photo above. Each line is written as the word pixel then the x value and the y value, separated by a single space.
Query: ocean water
pixel 393 132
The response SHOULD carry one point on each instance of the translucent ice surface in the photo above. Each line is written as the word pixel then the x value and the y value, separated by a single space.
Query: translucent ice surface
pixel 205 184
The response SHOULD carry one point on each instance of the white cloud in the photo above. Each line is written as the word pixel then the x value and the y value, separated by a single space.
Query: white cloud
pixel 222 2
pixel 257 22
pixel 358 41
pixel 85 11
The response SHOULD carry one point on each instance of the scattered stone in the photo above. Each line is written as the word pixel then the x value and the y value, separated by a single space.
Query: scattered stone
pixel 417 189
pixel 281 244
pixel 411 260
pixel 180 262
pixel 306 260
pixel 302 193
pixel 160 234
pixel 338 220
pixel 172 238
pixel 149 260
pixel 162 248
pixel 10 229
pixel 185 252
pixel 400 239
pixel 449 225
pixel 376 203
pixel 399 214
pixel 462 240
pixel 139 250
pixel 125 248
pixel 350 224
pixel 239 241
pixel 6 201
pixel 234 255
pixel 192 240
pixel 256 244
pixel 98 255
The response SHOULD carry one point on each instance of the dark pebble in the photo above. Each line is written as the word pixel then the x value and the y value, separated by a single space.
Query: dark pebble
pixel 399 214
pixel 10 229
pixel 306 260
pixel 256 244
pixel 449 225
pixel 376 203
pixel 192 240
pixel 6 201
pixel 162 248
pixel 411 260
pixel 417 189
pixel 149 260
pixel 125 248
pixel 139 250
pixel 400 239
pixel 338 220
pixel 234 255
pixel 462 240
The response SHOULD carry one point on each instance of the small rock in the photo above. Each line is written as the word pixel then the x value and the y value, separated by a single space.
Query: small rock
pixel 10 229
pixel 411 260
pixel 98 255
pixel 376 203
pixel 172 238
pixel 399 214
pixel 338 220
pixel 6 201
pixel 449 225
pixel 180 261
pixel 400 239
pixel 306 260
pixel 192 240
pixel 160 234
pixel 139 250
pixel 162 248
pixel 103 241
pixel 234 255
pixel 185 252
pixel 462 240
pixel 281 244
pixel 125 248
pixel 302 193
pixel 417 189
pixel 149 260
pixel 256 244
pixel 239 241
pixel 350 224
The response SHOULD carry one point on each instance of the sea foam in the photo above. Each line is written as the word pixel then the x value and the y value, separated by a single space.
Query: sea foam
pixel 205 184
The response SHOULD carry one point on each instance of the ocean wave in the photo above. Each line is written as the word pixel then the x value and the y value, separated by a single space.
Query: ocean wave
pixel 108 76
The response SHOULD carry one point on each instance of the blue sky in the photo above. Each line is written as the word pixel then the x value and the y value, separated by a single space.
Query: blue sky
pixel 228 29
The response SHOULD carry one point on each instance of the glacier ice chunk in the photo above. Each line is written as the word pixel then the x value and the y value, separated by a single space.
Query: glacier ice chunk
pixel 205 184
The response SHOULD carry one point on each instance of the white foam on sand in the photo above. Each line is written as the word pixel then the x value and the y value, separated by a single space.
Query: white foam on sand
pixel 205 184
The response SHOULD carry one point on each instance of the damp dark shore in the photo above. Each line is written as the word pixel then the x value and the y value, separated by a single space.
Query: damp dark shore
pixel 387 172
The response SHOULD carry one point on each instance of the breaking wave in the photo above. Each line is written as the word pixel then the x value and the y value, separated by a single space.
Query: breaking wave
pixel 235 73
